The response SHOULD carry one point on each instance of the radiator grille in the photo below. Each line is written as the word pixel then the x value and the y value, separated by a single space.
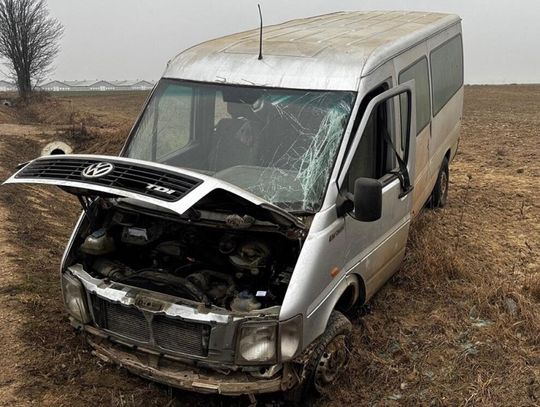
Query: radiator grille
pixel 160 331
pixel 180 336
pixel 126 321
pixel 168 185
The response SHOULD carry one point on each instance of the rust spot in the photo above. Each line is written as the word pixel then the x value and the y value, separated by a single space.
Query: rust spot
pixel 335 271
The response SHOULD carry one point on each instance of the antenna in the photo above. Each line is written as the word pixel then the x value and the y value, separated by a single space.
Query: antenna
pixel 260 33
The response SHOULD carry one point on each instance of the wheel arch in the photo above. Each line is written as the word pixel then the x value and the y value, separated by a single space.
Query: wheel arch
pixel 349 291
pixel 448 154
pixel 353 294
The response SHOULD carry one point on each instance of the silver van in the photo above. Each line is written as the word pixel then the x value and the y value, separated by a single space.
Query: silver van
pixel 258 198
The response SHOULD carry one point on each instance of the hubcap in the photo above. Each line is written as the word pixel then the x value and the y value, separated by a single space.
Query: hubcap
pixel 332 362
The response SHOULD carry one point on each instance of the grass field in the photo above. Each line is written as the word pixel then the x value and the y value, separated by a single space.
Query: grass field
pixel 458 325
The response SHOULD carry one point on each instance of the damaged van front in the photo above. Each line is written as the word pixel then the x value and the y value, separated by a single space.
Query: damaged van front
pixel 180 266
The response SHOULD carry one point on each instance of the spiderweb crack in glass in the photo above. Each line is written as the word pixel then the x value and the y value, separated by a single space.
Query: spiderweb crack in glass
pixel 279 144
pixel 312 165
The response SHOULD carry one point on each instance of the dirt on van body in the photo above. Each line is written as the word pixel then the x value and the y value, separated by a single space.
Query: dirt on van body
pixel 459 324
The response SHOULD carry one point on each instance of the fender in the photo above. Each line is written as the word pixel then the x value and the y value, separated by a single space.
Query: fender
pixel 316 320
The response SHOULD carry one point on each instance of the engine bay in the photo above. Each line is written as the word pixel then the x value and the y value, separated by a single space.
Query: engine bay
pixel 229 266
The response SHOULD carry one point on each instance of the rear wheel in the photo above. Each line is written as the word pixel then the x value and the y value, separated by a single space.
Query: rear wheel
pixel 327 361
pixel 439 196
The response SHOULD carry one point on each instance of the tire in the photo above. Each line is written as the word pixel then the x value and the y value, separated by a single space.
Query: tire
pixel 329 358
pixel 439 195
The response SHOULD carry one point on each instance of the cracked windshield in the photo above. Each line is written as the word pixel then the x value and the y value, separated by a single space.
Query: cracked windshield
pixel 278 144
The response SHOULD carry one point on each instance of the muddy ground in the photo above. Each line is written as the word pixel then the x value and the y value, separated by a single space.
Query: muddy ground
pixel 459 325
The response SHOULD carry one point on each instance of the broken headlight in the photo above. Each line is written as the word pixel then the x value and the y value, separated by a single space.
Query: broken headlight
pixel 75 298
pixel 257 343
pixel 290 335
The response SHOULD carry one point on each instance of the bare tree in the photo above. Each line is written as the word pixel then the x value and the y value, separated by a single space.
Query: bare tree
pixel 28 41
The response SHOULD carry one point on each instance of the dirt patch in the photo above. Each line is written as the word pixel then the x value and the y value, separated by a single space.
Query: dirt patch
pixel 458 325
pixel 6 115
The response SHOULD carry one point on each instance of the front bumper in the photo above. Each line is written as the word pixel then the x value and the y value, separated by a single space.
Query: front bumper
pixel 190 378
pixel 138 309
pixel 155 357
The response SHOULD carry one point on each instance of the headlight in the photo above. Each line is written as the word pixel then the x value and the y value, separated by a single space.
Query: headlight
pixel 257 343
pixel 74 298
pixel 290 333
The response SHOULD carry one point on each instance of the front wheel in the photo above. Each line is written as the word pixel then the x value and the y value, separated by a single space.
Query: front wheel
pixel 439 196
pixel 327 361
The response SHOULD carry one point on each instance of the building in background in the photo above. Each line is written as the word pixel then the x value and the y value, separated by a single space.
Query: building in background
pixel 133 85
pixel 80 86
pixel 55 86
pixel 96 85
pixel 6 86
pixel 102 86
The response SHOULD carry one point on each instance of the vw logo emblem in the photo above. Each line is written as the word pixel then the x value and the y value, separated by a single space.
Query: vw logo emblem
pixel 97 170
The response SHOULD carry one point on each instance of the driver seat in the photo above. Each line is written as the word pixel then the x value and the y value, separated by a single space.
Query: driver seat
pixel 236 139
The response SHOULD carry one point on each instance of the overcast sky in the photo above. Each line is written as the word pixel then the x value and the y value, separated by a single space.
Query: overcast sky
pixel 130 39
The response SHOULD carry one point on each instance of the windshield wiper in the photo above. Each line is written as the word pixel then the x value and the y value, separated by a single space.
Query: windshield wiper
pixel 294 212
pixel 302 213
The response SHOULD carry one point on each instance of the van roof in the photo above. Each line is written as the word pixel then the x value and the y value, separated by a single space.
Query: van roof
pixel 328 52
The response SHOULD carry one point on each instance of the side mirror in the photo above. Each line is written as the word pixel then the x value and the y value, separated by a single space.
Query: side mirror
pixel 367 199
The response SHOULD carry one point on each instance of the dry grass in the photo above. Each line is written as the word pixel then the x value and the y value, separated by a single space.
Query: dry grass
pixel 447 330
pixel 459 325
pixel 105 109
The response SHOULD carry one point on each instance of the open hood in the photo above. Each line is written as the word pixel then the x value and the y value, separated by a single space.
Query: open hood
pixel 171 188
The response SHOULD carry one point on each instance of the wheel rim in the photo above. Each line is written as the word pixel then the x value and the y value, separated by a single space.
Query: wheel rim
pixel 332 363
pixel 443 187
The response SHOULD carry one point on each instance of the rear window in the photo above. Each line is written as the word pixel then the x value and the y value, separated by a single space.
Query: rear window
pixel 446 72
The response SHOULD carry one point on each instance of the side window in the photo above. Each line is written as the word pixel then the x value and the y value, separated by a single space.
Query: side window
pixel 419 72
pixel 374 157
pixel 446 72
